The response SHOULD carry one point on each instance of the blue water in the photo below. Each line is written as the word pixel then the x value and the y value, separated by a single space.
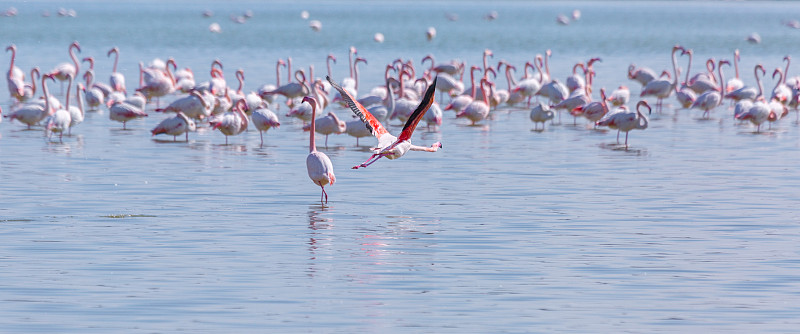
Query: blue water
pixel 693 228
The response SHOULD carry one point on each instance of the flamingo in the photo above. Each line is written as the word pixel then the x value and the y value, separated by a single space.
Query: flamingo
pixel 264 119
pixel 320 168
pixel 462 101
pixel 576 81
pixel 757 114
pixel 620 96
pixel 156 83
pixel 781 93
pixel 117 79
pixel 93 95
pixel 15 76
pixel 193 105
pixel 685 95
pixel 327 125
pixel 106 89
pixel 76 114
pixel 270 87
pixel 530 86
pixel 32 113
pixel 541 113
pixel 478 110
pixel 594 111
pixel 713 98
pixel 735 83
pixel 291 90
pixel 231 123
pixel 59 119
pixel 390 146
pixel 703 82
pixel 61 70
pixel 748 92
pixel 29 90
pixel 662 88
pixel 625 121
pixel 122 111
pixel 643 75
pixel 175 126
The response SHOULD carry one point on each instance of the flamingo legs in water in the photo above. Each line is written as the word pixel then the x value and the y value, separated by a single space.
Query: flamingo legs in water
pixel 323 194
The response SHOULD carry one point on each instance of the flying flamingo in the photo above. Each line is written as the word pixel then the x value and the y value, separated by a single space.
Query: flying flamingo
pixel 320 168
pixel 390 146
pixel 264 119
pixel 61 70
pixel 627 120
pixel 117 79
pixel 175 126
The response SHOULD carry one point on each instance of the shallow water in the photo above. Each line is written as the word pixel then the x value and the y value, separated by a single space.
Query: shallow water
pixel 694 227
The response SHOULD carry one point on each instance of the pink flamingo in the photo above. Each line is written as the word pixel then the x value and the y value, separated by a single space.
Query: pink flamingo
pixel 262 91
pixel 15 76
pixel 478 110
pixel 320 168
pixel 460 102
pixel 231 123
pixel 62 70
pixel 712 98
pixel 389 146
pixel 264 119
pixel 117 79
pixel 625 121
pixel 327 125
pixel 175 126
pixel 662 88
pixel 735 83
pixel 32 113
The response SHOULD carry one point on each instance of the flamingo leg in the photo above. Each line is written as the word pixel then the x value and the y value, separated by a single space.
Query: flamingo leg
pixel 323 194
pixel 368 162
pixel 617 136
pixel 187 136
pixel 262 137
pixel 626 139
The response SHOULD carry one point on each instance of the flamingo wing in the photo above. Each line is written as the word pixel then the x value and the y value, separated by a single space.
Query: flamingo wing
pixel 373 125
pixel 416 116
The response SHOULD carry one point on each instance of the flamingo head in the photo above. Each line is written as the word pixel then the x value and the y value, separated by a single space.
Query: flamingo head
pixel 76 45
pixel 12 48
pixel 113 50
pixel 332 57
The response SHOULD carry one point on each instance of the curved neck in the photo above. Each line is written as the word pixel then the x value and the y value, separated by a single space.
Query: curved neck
pixel 312 146
pixel 74 59
pixel 688 70
pixel 390 96
pixel 46 95
pixel 758 80
pixel 736 63
pixel 780 79
pixel 13 58
pixel 328 63
pixel 289 70
pixel 484 83
pixel 240 77
pixel 78 97
pixel 116 59
pixel 786 72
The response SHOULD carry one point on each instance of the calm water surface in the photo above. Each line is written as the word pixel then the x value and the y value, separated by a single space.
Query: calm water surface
pixel 694 228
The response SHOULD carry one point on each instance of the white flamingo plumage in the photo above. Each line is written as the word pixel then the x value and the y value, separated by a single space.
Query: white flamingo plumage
pixel 117 79
pixel 319 166
pixel 231 123
pixel 180 124
pixel 264 119
pixel 62 70
pixel 625 120
pixel 541 113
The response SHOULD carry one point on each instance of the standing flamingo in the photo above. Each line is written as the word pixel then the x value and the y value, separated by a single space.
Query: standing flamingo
pixel 620 96
pixel 264 119
pixel 60 119
pixel 76 114
pixel 390 146
pixel 32 113
pixel 320 168
pixel 662 88
pixel 117 79
pixel 478 110
pixel 175 126
pixel 541 113
pixel 231 123
pixel 326 125
pixel 15 77
pixel 61 70
pixel 627 120
pixel 735 83
pixel 712 98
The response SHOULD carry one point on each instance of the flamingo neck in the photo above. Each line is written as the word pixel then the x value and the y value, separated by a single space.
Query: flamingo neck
pixel 116 60
pixel 312 146
pixel 69 87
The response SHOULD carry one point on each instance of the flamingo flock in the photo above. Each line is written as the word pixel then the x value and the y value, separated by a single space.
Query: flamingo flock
pixel 407 94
